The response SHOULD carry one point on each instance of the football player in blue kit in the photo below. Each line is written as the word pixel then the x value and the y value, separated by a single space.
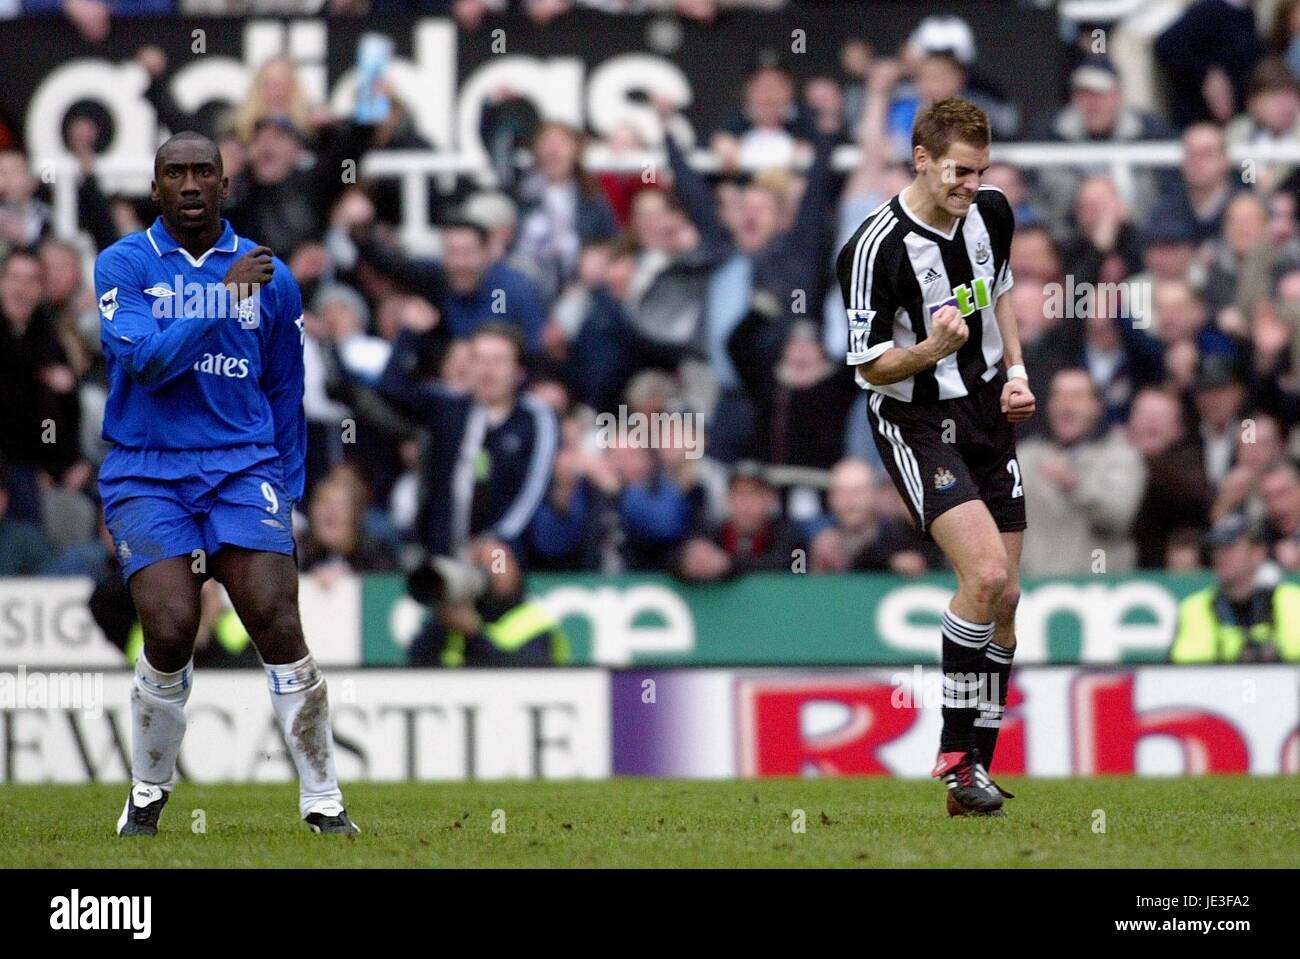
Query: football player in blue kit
pixel 203 336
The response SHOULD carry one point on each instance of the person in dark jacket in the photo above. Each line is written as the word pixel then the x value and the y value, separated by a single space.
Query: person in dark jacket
pixel 465 284
pixel 1178 495
pixel 801 399
pixel 1208 54
pixel 490 451
pixel 1208 182
pixel 753 538
pixel 561 208
pixel 276 200
pixel 39 432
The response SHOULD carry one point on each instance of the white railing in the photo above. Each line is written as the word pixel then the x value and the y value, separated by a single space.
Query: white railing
pixel 414 168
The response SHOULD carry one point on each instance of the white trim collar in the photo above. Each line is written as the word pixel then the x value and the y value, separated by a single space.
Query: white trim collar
pixel 926 226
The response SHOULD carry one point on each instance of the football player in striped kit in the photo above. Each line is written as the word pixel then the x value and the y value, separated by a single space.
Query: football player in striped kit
pixel 923 280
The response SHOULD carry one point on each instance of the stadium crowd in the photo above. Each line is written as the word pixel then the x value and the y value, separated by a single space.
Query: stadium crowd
pixel 459 398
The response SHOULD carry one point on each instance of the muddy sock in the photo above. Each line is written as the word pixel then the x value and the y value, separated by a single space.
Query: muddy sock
pixel 157 722
pixel 299 698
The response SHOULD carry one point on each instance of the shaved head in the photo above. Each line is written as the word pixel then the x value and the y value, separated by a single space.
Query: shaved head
pixel 187 143
pixel 189 186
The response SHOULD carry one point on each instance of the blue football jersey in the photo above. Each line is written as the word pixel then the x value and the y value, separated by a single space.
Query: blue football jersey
pixel 189 368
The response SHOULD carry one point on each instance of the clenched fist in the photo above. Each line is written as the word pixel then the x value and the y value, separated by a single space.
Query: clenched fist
pixel 1017 401
pixel 948 331
pixel 250 271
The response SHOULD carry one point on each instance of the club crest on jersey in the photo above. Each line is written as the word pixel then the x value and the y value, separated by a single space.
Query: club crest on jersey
pixel 250 317
pixel 943 479
pixel 108 304
pixel 982 252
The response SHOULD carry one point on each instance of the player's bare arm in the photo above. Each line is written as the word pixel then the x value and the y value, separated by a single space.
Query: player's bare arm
pixel 948 332
pixel 1017 400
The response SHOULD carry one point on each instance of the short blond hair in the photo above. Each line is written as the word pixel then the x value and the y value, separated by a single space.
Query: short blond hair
pixel 950 121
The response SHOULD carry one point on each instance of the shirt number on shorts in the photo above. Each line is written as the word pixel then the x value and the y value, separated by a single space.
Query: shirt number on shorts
pixel 1017 489
pixel 269 492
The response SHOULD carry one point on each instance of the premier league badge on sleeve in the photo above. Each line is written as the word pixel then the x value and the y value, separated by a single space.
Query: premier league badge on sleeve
pixel 108 304
pixel 859 329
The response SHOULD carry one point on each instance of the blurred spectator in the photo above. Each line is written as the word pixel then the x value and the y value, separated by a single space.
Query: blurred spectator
pixel 1177 494
pixel 1247 616
pixel 859 538
pixel 276 199
pixel 561 208
pixel 39 433
pixel 753 537
pixel 1220 398
pixel 1279 488
pixel 1272 116
pixel 778 250
pixel 1083 484
pixel 23 547
pixel 336 542
pixel 770 125
pixel 489 461
pixel 24 220
pixel 468 287
pixel 1259 444
pixel 1208 181
pixel 1245 232
pixel 801 398
pixel 1104 246
pixel 1209 53
pixel 1096 113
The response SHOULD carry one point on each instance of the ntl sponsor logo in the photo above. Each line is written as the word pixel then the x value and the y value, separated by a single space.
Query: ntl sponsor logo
pixel 80 691
pixel 75 912
pixel 1083 301
pixel 670 431
pixel 188 298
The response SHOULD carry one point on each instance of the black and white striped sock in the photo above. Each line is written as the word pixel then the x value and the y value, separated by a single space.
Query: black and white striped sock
pixel 993 700
pixel 964 665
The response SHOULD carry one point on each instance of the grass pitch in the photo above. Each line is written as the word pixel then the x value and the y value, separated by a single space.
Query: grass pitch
pixel 1217 821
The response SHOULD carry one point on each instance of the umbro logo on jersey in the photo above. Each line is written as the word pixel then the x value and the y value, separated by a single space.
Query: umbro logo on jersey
pixel 160 291
pixel 930 275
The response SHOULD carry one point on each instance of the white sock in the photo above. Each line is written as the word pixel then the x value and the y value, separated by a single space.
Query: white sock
pixel 299 698
pixel 158 722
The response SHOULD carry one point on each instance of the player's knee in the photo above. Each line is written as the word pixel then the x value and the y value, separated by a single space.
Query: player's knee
pixel 991 582
pixel 1005 613
pixel 169 627
pixel 276 626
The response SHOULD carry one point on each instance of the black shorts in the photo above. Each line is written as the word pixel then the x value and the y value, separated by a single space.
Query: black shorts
pixel 946 453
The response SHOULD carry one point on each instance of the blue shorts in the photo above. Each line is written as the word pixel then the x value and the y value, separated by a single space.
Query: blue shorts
pixel 163 504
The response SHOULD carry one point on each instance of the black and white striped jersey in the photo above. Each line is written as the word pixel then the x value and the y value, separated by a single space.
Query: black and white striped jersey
pixel 896 271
